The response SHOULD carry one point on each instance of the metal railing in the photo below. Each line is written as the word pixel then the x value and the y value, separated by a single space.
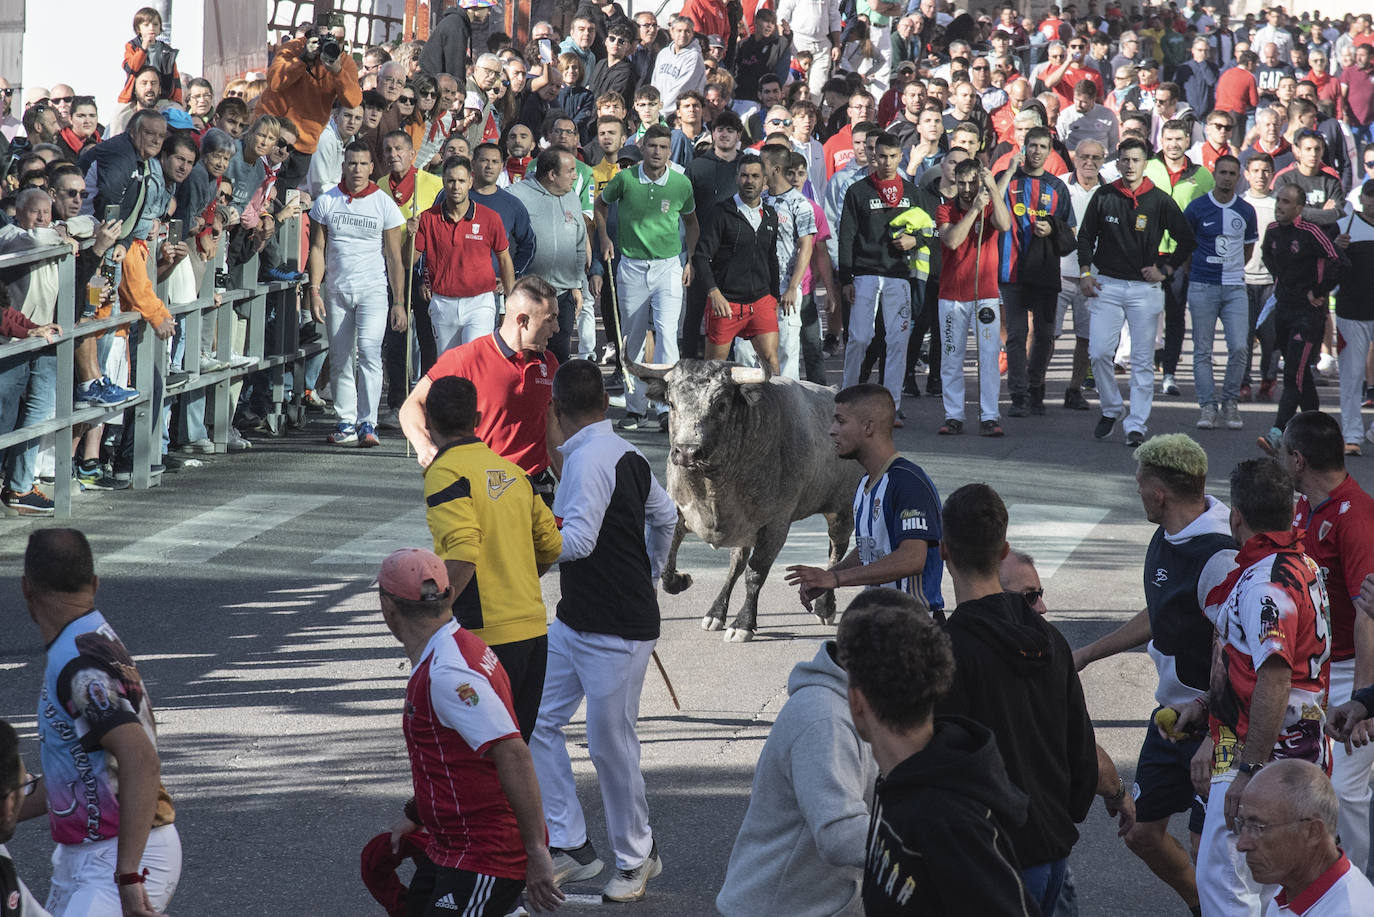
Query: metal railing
pixel 277 353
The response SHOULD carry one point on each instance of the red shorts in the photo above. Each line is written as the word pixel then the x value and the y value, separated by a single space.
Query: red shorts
pixel 747 320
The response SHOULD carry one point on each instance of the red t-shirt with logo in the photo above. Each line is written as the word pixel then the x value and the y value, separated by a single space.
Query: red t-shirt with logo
pixel 956 277
pixel 458 252
pixel 513 393
pixel 1339 536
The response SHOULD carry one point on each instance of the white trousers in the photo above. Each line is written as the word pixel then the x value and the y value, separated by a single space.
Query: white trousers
pixel 1353 350
pixel 984 318
pixel 82 875
pixel 1225 887
pixel 356 324
pixel 1350 775
pixel 650 293
pixel 893 295
pixel 1137 305
pixel 789 343
pixel 459 319
pixel 881 78
pixel 609 672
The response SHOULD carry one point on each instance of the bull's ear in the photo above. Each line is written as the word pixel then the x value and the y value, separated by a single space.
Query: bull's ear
pixel 654 378
pixel 657 388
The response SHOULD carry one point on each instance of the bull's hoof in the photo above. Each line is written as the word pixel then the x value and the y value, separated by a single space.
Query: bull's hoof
pixel 710 623
pixel 739 635
pixel 673 583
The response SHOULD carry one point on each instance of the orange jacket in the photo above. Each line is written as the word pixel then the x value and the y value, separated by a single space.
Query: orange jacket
pixel 135 59
pixel 305 91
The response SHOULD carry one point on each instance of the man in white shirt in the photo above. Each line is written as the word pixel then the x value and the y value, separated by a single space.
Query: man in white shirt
pixel 815 27
pixel 356 232
pixel 679 67
pixel 327 160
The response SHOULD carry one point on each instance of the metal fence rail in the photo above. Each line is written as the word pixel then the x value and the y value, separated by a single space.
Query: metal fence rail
pixel 278 353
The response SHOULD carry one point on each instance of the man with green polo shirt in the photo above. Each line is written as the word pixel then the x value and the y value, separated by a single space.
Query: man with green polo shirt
pixel 651 277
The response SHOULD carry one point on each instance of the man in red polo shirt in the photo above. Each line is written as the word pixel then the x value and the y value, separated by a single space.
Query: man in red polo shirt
pixel 458 237
pixel 513 371
pixel 1336 516
pixel 839 149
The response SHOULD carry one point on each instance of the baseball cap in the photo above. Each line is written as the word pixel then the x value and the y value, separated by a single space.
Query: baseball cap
pixel 907 66
pixel 35 94
pixel 178 120
pixel 629 153
pixel 479 4
pixel 415 574
pixel 1147 63
pixel 715 41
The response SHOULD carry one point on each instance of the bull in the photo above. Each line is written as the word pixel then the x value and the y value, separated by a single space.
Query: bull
pixel 748 456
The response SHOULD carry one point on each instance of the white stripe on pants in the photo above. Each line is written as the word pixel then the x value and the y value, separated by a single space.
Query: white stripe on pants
pixel 1350 775
pixel 356 324
pixel 1137 305
pixel 894 293
pixel 460 319
pixel 609 672
pixel 956 319
pixel 81 875
pixel 1352 353
pixel 649 291
pixel 1225 887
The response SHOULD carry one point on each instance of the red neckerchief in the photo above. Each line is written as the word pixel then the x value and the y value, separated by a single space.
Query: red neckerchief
pixel 1145 185
pixel 75 142
pixel 371 187
pixel 890 190
pixel 404 190
pixel 517 166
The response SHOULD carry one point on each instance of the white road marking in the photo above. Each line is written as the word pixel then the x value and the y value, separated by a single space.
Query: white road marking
pixel 215 531
pixel 1051 532
pixel 407 530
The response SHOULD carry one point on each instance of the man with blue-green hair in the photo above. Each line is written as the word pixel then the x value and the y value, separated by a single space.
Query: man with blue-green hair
pixel 1191 552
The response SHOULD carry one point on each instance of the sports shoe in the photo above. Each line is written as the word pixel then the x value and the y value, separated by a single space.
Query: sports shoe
pixel 312 400
pixel 177 378
pixel 1104 427
pixel 1207 420
pixel 933 386
pixel 1089 383
pixel 1352 450
pixel 366 436
pixel 239 361
pixel 951 427
pixel 1266 392
pixel 1247 392
pixel 1035 400
pixel 236 441
pixel 663 422
pixel 389 420
pixel 209 363
pixel 1134 438
pixel 171 462
pixel 630 884
pixel 1169 386
pixel 1369 434
pixel 92 476
pixel 1269 442
pixel 344 433
pixel 199 446
pixel 909 387
pixel 990 428
pixel 630 421
pixel 104 393
pixel 32 503
pixel 282 274
pixel 1230 415
pixel 575 865
pixel 1018 407
pixel 1074 401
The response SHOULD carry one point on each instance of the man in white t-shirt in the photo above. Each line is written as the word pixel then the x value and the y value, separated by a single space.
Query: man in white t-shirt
pixel 1287 831
pixel 356 232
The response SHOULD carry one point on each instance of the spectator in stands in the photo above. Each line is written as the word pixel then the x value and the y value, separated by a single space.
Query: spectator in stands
pixel 231 116
pixel 1087 119
pixel 84 130
pixel 143 51
pixel 326 163
pixel 147 83
pixel 679 67
pixel 450 43
pixel 41 125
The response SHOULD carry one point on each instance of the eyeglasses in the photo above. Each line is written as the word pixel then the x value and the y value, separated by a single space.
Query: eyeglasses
pixel 1034 595
pixel 426 93
pixel 616 40
pixel 1220 125
pixel 1256 829
pixel 983 67
pixel 79 194
pixel 1077 47
pixel 406 100
pixel 559 131
pixel 6 92
pixel 28 786
pixel 1369 163
pixel 648 25
pixel 226 198
pixel 62 100
pixel 783 122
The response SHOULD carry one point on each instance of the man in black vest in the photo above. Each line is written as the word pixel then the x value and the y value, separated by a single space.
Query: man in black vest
pixel 1191 551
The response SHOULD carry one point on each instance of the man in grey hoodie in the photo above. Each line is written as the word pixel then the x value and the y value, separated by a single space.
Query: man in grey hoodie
pixel 561 255
pixel 800 850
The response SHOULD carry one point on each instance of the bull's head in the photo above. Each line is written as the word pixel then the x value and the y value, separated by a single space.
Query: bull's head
pixel 709 401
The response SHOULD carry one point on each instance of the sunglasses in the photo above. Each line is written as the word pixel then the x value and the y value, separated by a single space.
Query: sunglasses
pixel 785 122
pixel 406 100
pixel 226 198
pixel 6 92
pixel 427 93
pixel 61 100
pixel 1034 595
pixel 983 67
pixel 79 193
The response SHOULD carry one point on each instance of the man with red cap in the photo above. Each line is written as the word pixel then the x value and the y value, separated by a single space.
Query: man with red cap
pixel 475 788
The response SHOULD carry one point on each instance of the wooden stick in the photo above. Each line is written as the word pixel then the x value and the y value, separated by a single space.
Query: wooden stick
pixel 664 672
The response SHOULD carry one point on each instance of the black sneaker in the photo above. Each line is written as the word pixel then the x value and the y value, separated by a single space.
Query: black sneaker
pixel 630 421
pixel 1134 438
pixel 1036 399
pixel 951 427
pixel 1074 401
pixel 1104 428
pixel 910 388
pixel 32 503
pixel 91 475
pixel 990 428
pixel 1018 408
pixel 172 462
pixel 933 387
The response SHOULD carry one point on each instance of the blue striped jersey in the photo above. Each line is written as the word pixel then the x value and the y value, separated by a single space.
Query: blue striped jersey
pixel 902 503
pixel 1222 231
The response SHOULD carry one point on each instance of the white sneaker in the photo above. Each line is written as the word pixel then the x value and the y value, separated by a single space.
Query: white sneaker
pixel 1208 418
pixel 576 865
pixel 1169 386
pixel 1230 413
pixel 631 884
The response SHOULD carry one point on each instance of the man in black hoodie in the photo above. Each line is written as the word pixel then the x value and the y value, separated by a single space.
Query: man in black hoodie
pixel 937 841
pixel 1014 674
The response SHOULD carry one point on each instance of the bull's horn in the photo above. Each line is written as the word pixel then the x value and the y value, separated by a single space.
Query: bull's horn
pixel 745 375
pixel 649 370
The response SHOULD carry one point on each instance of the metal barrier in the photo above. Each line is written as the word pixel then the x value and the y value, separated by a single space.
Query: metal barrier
pixel 277 354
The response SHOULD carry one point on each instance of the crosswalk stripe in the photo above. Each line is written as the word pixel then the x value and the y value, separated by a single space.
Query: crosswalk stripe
pixel 1051 532
pixel 406 530
pixel 211 533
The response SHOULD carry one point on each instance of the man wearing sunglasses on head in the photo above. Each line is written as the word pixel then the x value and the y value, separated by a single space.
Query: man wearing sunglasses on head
pixel 10 126
pixel 1191 551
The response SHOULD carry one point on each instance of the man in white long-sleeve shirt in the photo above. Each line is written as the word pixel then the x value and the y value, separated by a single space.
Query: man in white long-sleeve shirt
pixel 815 26
pixel 618 524
pixel 326 163
pixel 679 67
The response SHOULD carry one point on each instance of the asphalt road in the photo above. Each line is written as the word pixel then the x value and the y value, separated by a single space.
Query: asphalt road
pixel 242 588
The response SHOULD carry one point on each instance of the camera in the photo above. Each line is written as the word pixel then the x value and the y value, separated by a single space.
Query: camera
pixel 327 47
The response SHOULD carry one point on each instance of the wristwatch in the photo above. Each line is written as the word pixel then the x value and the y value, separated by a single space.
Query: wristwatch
pixel 1247 769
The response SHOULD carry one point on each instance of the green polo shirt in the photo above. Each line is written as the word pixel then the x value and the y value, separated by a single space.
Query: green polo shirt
pixel 650 212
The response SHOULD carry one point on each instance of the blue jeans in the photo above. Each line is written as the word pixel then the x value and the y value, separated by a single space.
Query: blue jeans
pixel 40 404
pixel 1043 883
pixel 1209 302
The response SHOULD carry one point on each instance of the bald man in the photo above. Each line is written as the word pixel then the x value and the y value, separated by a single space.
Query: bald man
pixel 1287 831
pixel 896 509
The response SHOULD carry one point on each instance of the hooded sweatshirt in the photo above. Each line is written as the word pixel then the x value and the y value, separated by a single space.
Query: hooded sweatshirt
pixel 938 842
pixel 801 847
pixel 1014 674
pixel 560 233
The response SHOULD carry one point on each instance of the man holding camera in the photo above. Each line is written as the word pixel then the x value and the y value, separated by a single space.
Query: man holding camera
pixel 306 77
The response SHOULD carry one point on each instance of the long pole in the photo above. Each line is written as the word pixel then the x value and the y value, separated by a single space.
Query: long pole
pixel 410 320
